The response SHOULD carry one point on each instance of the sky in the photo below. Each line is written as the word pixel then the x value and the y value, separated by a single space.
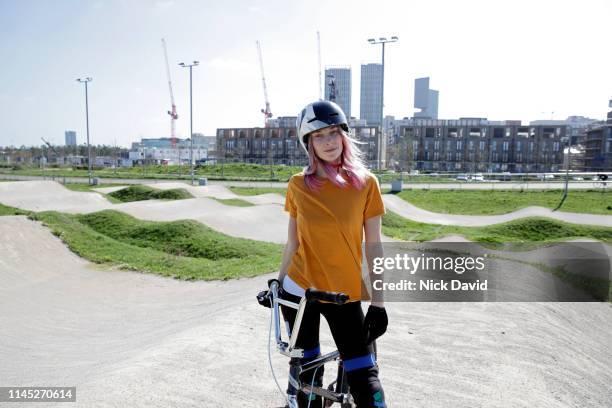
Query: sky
pixel 498 59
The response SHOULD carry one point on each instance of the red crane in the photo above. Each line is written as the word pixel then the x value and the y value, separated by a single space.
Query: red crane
pixel 172 113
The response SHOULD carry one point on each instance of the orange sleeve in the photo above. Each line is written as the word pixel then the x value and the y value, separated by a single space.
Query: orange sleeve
pixel 374 203
pixel 290 206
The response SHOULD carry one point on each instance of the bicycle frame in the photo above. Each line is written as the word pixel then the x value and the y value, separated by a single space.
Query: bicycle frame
pixel 339 393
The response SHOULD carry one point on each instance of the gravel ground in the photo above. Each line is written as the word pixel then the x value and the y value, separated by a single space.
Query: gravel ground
pixel 127 339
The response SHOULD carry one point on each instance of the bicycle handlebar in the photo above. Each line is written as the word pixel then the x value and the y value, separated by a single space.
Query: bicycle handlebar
pixel 334 297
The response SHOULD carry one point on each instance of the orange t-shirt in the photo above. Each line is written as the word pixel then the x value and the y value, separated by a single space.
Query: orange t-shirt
pixel 330 233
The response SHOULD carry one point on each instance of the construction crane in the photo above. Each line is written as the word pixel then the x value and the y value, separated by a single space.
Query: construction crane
pixel 50 147
pixel 320 76
pixel 172 113
pixel 266 111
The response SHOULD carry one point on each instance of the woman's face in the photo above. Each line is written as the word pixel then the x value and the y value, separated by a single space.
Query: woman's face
pixel 327 144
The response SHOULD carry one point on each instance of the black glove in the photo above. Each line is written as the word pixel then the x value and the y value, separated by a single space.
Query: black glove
pixel 263 298
pixel 375 323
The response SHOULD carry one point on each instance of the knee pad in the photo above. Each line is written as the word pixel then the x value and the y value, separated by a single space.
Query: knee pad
pixel 365 387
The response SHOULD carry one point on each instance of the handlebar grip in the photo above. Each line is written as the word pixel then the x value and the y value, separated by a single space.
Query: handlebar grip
pixel 334 297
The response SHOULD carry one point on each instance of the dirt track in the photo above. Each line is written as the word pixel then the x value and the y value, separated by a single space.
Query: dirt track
pixel 407 210
pixel 138 340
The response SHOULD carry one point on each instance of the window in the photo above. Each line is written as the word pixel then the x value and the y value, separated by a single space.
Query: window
pixel 549 133
pixel 523 132
pixel 452 132
pixel 475 132
pixel 505 146
pixel 498 132
pixel 459 144
pixel 471 145
pixel 437 145
pixel 482 145
pixel 429 132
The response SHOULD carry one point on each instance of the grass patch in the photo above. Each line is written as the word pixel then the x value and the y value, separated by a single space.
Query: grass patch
pixel 236 202
pixel 180 249
pixel 599 288
pixel 251 191
pixel 525 234
pixel 492 202
pixel 87 188
pixel 532 229
pixel 6 210
pixel 84 187
pixel 229 171
pixel 141 192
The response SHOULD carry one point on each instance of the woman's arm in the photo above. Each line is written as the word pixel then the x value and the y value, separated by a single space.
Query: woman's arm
pixel 290 248
pixel 373 247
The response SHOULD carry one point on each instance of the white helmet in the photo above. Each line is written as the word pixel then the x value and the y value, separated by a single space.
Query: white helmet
pixel 319 115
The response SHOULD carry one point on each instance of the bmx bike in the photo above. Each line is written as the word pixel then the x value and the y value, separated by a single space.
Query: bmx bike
pixel 338 390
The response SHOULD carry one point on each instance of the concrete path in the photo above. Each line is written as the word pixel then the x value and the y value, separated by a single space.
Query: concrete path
pixel 214 191
pixel 532 185
pixel 243 222
pixel 127 339
pixel 412 212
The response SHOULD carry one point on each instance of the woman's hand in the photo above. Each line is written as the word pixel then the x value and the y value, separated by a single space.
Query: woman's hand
pixel 375 323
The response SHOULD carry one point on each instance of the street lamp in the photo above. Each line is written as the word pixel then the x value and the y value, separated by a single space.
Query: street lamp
pixel 383 41
pixel 85 81
pixel 190 66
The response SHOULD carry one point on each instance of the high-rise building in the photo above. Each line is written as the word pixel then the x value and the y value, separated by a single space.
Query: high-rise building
pixel 70 137
pixel 425 99
pixel 371 96
pixel 338 87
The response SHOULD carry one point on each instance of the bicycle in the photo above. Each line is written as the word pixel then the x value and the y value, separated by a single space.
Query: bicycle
pixel 338 390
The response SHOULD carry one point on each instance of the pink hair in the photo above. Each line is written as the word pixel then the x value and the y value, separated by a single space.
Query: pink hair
pixel 351 161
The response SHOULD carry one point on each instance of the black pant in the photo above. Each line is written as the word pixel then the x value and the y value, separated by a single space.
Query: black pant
pixel 346 324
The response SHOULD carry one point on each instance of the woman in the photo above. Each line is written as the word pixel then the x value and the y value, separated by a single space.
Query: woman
pixel 330 204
